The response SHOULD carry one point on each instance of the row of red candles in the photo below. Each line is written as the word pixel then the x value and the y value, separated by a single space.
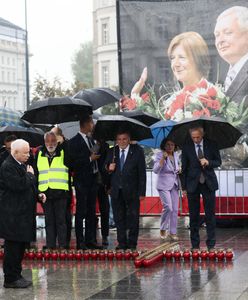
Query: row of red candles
pixel 169 255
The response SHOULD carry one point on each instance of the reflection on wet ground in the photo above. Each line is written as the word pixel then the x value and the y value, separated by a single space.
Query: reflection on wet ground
pixel 121 280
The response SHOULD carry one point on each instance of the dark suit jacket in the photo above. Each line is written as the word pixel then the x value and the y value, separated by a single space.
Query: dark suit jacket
pixel 191 168
pixel 80 161
pixel 18 196
pixel 238 89
pixel 132 178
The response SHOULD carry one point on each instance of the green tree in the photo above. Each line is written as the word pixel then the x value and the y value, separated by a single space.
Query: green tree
pixel 82 65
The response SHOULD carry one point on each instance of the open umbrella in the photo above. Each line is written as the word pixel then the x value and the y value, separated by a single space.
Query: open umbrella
pixel 34 136
pixel 9 116
pixel 144 117
pixel 160 130
pixel 98 97
pixel 57 110
pixel 108 126
pixel 216 129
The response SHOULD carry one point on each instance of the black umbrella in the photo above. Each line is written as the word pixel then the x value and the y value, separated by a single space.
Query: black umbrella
pixel 57 110
pixel 144 117
pixel 108 126
pixel 98 97
pixel 34 136
pixel 216 129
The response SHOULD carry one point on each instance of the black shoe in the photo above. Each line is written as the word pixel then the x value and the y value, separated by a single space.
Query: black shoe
pixel 131 247
pixel 94 246
pixel 120 247
pixel 105 241
pixel 21 283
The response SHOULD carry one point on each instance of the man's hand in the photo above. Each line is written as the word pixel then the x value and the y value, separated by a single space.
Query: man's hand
pixel 42 197
pixel 30 169
pixel 140 83
pixel 112 167
pixel 204 162
pixel 94 156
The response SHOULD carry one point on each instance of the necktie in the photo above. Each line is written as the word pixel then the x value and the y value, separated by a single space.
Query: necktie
pixel 200 156
pixel 94 162
pixel 229 78
pixel 122 159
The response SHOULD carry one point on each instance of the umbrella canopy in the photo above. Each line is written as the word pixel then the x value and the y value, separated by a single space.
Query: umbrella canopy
pixel 216 129
pixel 98 97
pixel 144 117
pixel 33 136
pixel 108 126
pixel 160 130
pixel 9 116
pixel 57 110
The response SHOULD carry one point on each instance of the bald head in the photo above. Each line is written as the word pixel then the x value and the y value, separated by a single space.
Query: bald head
pixel 20 150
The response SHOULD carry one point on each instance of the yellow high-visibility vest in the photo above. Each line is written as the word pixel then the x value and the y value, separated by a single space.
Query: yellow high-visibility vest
pixel 55 176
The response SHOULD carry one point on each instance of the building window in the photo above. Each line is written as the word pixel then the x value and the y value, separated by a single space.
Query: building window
pixel 3 76
pixel 8 61
pixel 105 76
pixel 2 60
pixel 14 76
pixel 13 62
pixel 105 32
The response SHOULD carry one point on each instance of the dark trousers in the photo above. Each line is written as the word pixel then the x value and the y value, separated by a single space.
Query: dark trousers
pixel 68 218
pixel 55 219
pixel 104 209
pixel 12 261
pixel 194 215
pixel 85 209
pixel 126 217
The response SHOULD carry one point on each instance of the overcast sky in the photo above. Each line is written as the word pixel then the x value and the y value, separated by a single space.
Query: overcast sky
pixel 56 29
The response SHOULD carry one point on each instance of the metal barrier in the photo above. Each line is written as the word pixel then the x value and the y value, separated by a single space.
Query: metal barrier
pixel 231 198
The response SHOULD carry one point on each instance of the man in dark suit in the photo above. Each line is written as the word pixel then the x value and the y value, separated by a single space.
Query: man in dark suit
pixel 126 165
pixel 18 195
pixel 85 169
pixel 199 158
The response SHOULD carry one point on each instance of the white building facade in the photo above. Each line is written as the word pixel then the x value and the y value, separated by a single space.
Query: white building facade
pixel 12 66
pixel 105 58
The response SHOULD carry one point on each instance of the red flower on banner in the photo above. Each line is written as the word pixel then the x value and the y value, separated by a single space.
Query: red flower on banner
pixel 127 103
pixel 145 97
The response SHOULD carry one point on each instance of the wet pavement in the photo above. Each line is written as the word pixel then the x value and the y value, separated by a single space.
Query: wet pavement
pixel 121 280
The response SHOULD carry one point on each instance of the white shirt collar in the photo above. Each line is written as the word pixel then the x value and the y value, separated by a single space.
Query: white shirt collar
pixel 126 150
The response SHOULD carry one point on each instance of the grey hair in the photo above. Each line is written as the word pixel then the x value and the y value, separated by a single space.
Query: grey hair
pixel 197 128
pixel 49 133
pixel 17 145
pixel 241 13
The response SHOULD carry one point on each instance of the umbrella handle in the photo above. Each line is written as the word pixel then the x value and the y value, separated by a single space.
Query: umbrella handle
pixel 114 156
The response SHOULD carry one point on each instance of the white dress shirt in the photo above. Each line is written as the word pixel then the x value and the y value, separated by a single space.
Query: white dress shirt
pixel 196 147
pixel 125 152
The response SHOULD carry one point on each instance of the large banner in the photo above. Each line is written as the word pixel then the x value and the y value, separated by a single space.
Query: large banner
pixel 180 59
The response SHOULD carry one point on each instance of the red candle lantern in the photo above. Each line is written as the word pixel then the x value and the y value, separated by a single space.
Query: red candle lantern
pixel 62 255
pixel 1 253
pixel 195 255
pixel 220 255
pixel 186 255
pixel 31 254
pixel 168 255
pixel 110 255
pixel 102 255
pixel 54 255
pixel 134 254
pixel 127 255
pixel 119 255
pixel 39 255
pixel 204 255
pixel 47 255
pixel 93 255
pixel 229 255
pixel 212 255
pixel 177 255
pixel 86 255
pixel 138 262
pixel 71 255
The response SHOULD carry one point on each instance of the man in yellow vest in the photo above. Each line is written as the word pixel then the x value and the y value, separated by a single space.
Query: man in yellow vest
pixel 51 164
